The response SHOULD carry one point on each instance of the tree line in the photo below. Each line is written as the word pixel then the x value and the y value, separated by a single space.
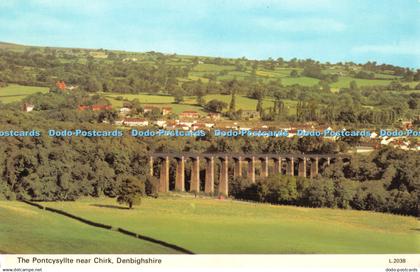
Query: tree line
pixel 386 181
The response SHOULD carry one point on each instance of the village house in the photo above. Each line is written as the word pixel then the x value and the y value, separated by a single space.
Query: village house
pixel 406 124
pixel 71 87
pixel 166 110
pixel 147 109
pixel 244 128
pixel 119 122
pixel 292 132
pixel 198 126
pixel 209 125
pixel 95 107
pixel 135 122
pixel 160 123
pixel 189 114
pixel 250 114
pixel 227 125
pixel 61 85
pixel 82 108
pixel 101 107
pixel 183 127
pixel 27 107
pixel 187 123
pixel 125 110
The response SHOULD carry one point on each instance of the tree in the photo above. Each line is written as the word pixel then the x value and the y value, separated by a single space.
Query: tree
pixel 131 190
pixel 200 98
pixel 259 107
pixel 294 73
pixel 412 103
pixel 93 85
pixel 232 105
pixel 216 105
pixel 353 85
pixel 179 98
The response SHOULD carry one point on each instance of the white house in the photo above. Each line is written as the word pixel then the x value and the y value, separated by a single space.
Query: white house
pixel 28 107
pixel 135 122
pixel 160 123
pixel 125 110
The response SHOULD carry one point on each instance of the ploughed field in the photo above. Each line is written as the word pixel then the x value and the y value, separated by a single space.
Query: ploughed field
pixel 205 225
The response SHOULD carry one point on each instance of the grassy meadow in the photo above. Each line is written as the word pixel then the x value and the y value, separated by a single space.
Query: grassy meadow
pixel 205 225
pixel 26 229
pixel 14 92
pixel 190 103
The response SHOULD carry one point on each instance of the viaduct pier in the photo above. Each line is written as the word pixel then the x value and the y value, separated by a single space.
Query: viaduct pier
pixel 302 165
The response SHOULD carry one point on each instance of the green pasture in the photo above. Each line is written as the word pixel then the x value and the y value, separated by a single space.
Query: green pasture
pixel 190 103
pixel 14 92
pixel 26 229
pixel 204 67
pixel 304 81
pixel 205 225
pixel 345 82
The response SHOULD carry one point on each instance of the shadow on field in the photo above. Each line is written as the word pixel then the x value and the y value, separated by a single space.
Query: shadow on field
pixel 108 227
pixel 110 206
pixel 415 229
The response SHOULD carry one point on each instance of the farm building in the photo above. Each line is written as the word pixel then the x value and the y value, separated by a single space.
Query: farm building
pixel 166 110
pixel 189 114
pixel 135 122
pixel 147 109
pixel 95 107
pixel 27 107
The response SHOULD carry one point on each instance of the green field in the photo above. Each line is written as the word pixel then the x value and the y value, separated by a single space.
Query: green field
pixel 14 92
pixel 245 103
pixel 26 229
pixel 345 82
pixel 190 103
pixel 205 225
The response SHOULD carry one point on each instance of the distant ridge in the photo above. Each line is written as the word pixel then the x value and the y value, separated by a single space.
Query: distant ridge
pixel 8 45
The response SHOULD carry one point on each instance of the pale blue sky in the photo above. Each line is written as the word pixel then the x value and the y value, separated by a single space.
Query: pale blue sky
pixel 325 30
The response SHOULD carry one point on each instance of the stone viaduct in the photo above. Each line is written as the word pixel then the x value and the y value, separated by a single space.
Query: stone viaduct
pixel 307 165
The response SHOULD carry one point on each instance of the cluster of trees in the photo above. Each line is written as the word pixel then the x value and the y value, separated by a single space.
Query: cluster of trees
pixel 44 168
pixel 159 73
pixel 315 70
pixel 406 73
pixel 93 76
pixel 62 168
pixel 387 181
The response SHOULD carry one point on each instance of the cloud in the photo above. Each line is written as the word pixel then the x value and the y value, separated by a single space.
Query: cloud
pixel 301 24
pixel 400 48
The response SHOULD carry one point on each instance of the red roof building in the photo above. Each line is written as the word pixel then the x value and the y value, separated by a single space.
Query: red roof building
pixel 135 122
pixel 166 110
pixel 101 107
pixel 148 108
pixel 95 107
pixel 61 85
pixel 189 114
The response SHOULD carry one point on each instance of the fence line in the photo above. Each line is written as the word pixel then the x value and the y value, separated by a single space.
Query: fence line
pixel 109 227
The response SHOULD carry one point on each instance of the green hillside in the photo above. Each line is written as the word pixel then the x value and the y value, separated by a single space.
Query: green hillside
pixel 345 92
pixel 43 232
pixel 14 92
pixel 226 226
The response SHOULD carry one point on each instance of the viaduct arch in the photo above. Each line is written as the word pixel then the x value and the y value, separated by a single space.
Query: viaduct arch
pixel 302 165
